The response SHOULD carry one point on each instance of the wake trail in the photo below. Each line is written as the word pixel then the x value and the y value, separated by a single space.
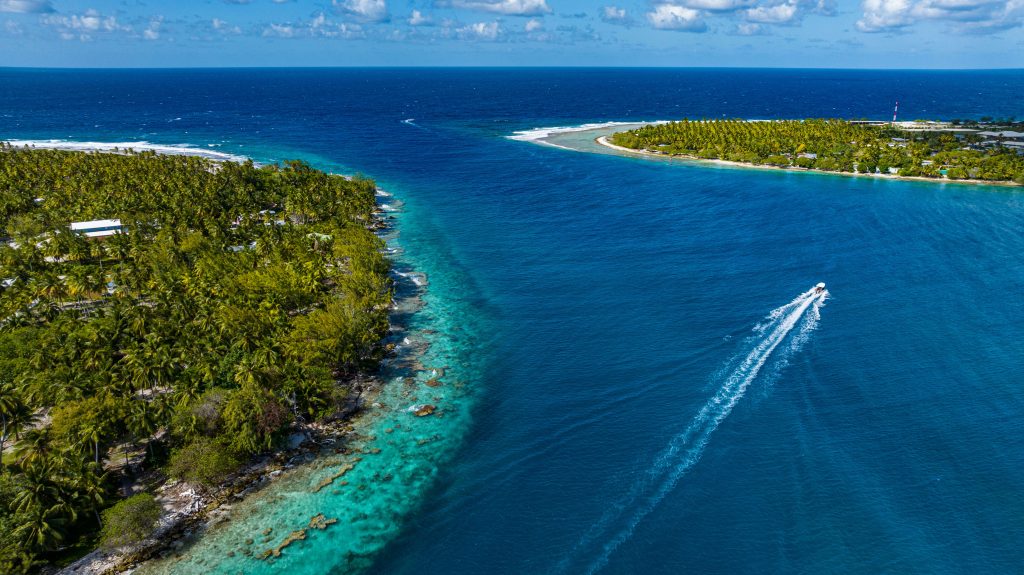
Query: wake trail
pixel 685 450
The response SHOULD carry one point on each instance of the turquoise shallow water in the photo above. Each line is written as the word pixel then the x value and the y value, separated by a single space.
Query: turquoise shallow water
pixel 595 306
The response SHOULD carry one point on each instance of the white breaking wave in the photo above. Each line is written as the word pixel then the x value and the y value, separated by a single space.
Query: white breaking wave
pixel 537 134
pixel 685 450
pixel 176 149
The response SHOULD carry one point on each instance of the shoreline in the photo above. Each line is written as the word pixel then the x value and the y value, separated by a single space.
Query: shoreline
pixel 126 147
pixel 603 141
pixel 189 511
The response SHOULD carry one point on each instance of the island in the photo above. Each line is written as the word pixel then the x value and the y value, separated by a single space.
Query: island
pixel 169 318
pixel 980 152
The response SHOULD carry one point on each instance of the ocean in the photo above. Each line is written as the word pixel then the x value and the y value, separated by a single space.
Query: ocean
pixel 636 376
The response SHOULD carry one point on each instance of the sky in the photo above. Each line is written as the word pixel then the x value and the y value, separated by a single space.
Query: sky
pixel 755 33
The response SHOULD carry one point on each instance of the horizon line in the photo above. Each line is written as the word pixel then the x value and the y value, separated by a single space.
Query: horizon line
pixel 500 67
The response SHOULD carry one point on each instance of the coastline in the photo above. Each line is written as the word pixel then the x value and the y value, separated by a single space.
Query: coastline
pixel 125 147
pixel 189 510
pixel 603 141
pixel 341 503
pixel 190 513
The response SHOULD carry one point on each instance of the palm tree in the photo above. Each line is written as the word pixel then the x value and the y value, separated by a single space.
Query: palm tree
pixel 94 431
pixel 11 409
pixel 43 529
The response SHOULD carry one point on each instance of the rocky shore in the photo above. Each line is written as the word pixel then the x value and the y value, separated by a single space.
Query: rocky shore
pixel 189 510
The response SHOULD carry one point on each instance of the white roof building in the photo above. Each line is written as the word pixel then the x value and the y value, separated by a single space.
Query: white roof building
pixel 1002 134
pixel 97 228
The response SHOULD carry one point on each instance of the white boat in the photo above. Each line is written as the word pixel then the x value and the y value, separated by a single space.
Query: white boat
pixel 819 288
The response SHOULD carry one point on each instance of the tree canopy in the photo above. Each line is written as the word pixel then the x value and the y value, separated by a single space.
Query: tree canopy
pixel 831 145
pixel 235 300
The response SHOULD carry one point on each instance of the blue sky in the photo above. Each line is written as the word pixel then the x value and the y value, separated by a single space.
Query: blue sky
pixel 778 33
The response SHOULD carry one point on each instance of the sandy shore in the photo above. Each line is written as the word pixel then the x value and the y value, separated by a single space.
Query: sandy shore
pixel 603 140
pixel 125 147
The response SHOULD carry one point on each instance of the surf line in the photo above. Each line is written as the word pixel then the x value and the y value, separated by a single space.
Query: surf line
pixel 685 450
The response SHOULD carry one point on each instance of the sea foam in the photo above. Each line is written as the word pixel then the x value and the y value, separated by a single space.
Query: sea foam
pixel 143 146
pixel 538 134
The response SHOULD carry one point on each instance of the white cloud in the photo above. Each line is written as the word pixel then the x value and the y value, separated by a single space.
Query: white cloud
pixel 365 10
pixel 963 15
pixel 26 6
pixel 748 29
pixel 85 25
pixel 508 7
pixel 672 17
pixel 152 32
pixel 616 15
pixel 318 27
pixel 680 14
pixel 480 31
pixel 223 27
pixel 716 5
pixel 417 18
pixel 12 28
pixel 880 15
pixel 613 13
pixel 279 31
pixel 533 25
pixel 777 14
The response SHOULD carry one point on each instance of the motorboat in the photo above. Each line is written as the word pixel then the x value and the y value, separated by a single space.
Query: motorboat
pixel 820 288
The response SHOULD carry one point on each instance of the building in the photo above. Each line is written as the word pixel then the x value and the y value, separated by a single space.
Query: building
pixel 97 228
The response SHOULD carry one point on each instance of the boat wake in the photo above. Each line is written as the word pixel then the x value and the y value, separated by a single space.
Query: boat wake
pixel 619 522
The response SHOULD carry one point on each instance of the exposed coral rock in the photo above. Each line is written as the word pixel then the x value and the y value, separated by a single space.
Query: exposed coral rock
pixel 330 479
pixel 319 521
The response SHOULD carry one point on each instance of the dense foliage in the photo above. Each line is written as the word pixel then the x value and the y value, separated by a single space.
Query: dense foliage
pixel 830 145
pixel 130 520
pixel 237 300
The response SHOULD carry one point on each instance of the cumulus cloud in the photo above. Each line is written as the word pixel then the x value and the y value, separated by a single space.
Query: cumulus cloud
pixel 84 26
pixel 279 31
pixel 777 14
pixel 750 29
pixel 152 32
pixel 418 18
pixel 318 27
pixel 364 10
pixel 479 31
pixel 681 18
pixel 507 7
pixel 533 24
pixel 716 5
pixel 223 27
pixel 963 15
pixel 26 6
pixel 882 15
pixel 615 15
pixel 692 14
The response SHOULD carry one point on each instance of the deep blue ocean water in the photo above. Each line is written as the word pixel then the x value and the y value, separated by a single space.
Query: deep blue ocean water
pixel 592 305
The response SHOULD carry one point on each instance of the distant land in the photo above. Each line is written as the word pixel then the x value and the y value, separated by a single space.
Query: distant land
pixel 989 152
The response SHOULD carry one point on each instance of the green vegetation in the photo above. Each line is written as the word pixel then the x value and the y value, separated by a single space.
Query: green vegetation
pixel 130 520
pixel 237 301
pixel 832 145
